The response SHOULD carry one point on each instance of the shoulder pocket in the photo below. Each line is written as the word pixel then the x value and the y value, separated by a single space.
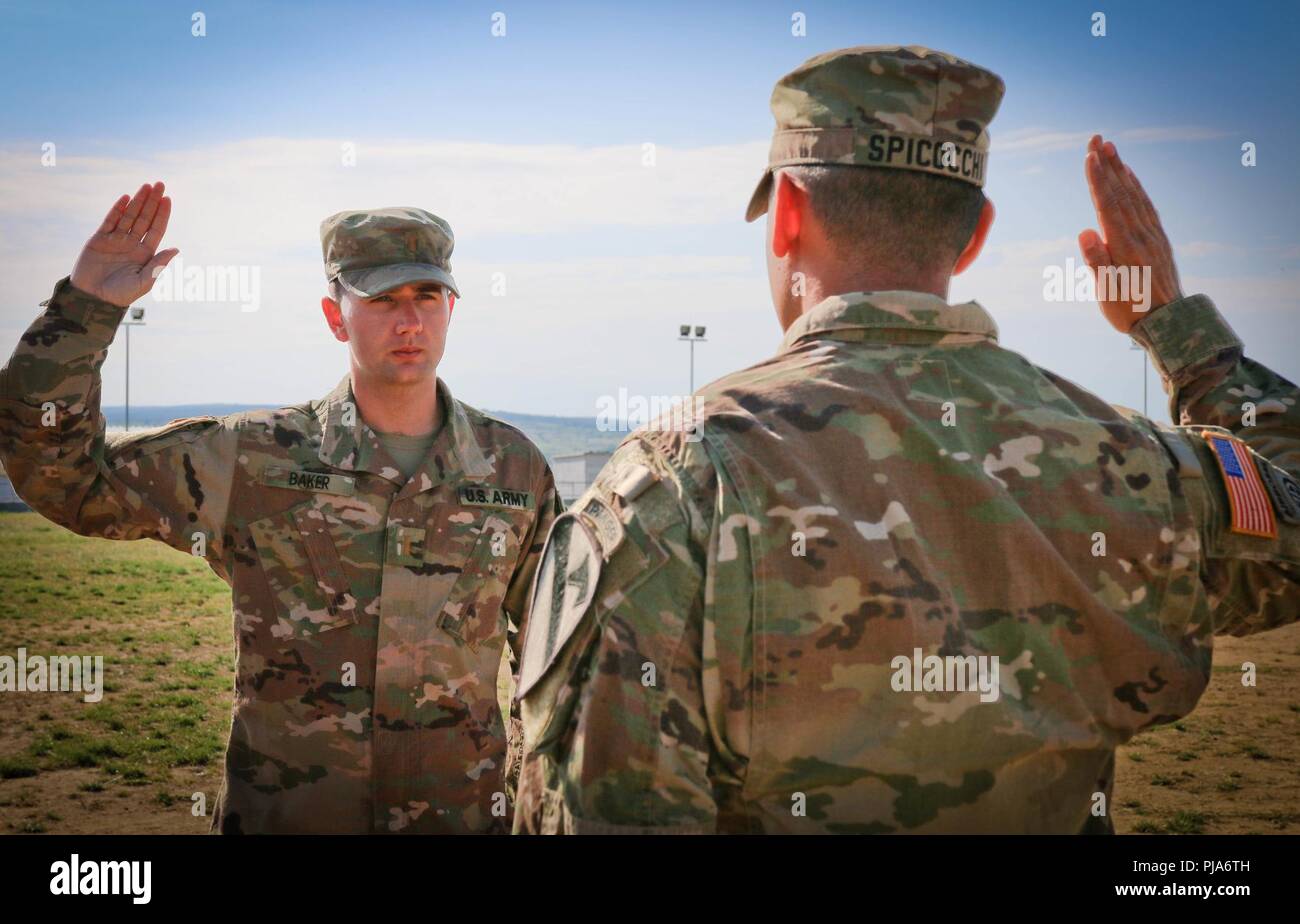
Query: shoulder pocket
pixel 303 571
pixel 185 430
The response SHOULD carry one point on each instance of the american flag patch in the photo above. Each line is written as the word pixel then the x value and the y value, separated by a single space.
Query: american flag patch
pixel 1252 511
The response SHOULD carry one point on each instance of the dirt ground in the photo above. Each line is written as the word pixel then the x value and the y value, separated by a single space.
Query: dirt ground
pixel 1233 765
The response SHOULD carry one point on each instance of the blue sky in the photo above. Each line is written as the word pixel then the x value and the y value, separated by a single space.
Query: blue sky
pixel 529 144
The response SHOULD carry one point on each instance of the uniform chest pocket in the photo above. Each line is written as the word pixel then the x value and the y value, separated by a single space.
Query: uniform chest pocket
pixel 473 611
pixel 303 570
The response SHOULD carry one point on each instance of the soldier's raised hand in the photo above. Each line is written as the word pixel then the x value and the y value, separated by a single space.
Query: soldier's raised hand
pixel 1131 238
pixel 118 262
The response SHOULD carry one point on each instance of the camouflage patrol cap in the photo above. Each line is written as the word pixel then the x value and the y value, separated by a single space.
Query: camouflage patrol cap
pixel 373 250
pixel 883 106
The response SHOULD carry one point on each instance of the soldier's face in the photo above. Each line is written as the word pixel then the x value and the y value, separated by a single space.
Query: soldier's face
pixel 397 337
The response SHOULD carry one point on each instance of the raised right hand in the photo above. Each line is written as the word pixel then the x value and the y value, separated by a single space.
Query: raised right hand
pixel 118 263
pixel 1132 239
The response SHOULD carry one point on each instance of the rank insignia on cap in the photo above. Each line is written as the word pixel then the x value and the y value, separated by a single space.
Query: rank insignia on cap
pixel 1252 509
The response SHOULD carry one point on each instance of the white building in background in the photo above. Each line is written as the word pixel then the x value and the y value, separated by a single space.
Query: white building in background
pixel 9 499
pixel 575 473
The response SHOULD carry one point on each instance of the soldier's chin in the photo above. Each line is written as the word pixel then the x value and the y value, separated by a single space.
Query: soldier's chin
pixel 410 373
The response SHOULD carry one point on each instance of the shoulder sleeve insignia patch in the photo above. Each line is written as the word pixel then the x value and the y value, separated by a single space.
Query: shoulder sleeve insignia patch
pixel 562 592
pixel 605 523
pixel 1284 490
pixel 1248 499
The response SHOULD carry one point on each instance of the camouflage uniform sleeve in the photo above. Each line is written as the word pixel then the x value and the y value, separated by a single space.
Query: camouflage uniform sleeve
pixel 170 484
pixel 1253 582
pixel 614 699
pixel 515 606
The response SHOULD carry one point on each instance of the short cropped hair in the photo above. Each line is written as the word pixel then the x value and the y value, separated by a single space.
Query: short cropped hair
pixel 922 220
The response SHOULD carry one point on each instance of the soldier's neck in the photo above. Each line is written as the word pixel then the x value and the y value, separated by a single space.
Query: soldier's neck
pixel 411 409
pixel 823 285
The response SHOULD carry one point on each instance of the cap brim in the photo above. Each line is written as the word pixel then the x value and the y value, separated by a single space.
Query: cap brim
pixel 758 201
pixel 376 280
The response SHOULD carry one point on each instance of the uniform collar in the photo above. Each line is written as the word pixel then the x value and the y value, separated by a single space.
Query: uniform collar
pixel 885 313
pixel 349 444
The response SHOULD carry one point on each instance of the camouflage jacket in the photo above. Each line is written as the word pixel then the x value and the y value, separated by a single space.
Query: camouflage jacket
pixel 784 620
pixel 370 612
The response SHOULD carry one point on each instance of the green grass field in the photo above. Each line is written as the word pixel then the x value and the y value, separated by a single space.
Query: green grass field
pixel 161 620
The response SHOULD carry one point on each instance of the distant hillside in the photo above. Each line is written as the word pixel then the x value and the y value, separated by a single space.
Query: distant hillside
pixel 143 416
pixel 558 436
pixel 555 436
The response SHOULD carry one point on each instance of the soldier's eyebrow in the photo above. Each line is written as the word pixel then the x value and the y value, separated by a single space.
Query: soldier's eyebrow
pixel 421 289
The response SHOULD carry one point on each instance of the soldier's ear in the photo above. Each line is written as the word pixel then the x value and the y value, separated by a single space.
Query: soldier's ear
pixel 977 238
pixel 788 206
pixel 334 318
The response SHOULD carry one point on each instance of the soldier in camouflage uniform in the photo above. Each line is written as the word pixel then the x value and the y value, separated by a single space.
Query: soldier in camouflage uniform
pixel 373 573
pixel 728 628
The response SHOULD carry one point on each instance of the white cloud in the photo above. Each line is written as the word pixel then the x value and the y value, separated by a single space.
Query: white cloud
pixel 266 194
pixel 1042 141
pixel 595 309
pixel 259 203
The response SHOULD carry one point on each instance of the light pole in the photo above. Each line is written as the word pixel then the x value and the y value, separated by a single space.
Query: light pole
pixel 1134 345
pixel 685 334
pixel 136 320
